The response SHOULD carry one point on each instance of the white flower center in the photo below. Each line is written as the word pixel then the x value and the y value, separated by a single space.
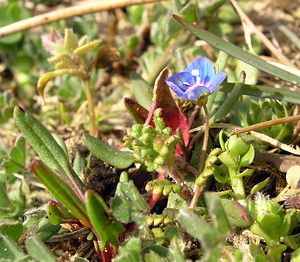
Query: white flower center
pixel 195 72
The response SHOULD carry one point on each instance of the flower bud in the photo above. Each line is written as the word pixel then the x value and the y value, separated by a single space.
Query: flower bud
pixel 237 146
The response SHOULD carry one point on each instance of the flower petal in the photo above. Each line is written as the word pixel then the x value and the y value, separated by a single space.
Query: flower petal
pixel 216 80
pixel 180 82
pixel 203 67
pixel 194 92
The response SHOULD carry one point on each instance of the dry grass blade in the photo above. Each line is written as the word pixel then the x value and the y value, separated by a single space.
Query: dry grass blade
pixel 247 22
pixel 84 8
pixel 267 124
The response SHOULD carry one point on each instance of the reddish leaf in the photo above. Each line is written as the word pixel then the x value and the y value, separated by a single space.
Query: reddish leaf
pixel 162 98
pixel 138 112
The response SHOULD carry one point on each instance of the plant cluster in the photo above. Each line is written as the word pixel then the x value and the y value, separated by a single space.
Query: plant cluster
pixel 183 167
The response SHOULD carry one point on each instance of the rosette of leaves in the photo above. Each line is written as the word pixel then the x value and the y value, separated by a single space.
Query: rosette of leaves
pixel 152 146
pixel 271 223
pixel 262 111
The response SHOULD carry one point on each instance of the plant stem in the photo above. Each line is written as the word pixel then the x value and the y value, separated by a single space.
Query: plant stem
pixel 91 106
pixel 155 197
pixel 237 183
pixel 85 7
pixel 198 189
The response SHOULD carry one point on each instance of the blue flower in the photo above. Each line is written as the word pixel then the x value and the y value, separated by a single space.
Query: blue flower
pixel 197 78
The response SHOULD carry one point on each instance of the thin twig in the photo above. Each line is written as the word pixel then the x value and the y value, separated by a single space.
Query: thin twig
pixel 246 21
pixel 198 189
pixel 87 7
pixel 267 124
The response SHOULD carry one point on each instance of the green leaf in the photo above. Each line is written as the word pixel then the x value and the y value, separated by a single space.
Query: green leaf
pixel 45 229
pixel 296 255
pixel 121 210
pixel 283 94
pixel 142 91
pixel 97 211
pixel 238 53
pixel 153 256
pixel 9 249
pixel 16 157
pixel 229 102
pixel 11 228
pixel 106 153
pixel 5 204
pixel 61 191
pixel 10 14
pixel 50 152
pixel 221 140
pixel 198 228
pixel 217 213
pixel 37 249
pixel 58 214
pixel 130 252
pixel 236 214
pixel 17 198
pixel 128 205
pixel 79 163
pixel 259 186
pixel 138 112
pixel 248 158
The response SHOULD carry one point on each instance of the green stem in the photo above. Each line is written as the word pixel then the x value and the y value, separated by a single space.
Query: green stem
pixel 237 183
pixel 91 106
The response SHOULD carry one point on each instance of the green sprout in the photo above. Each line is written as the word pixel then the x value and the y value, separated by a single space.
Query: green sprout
pixel 236 154
pixel 70 58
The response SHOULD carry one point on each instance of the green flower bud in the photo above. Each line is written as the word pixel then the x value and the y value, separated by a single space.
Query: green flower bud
pixel 167 189
pixel 211 160
pixel 146 138
pixel 136 130
pixel 158 143
pixel 128 144
pixel 176 188
pixel 147 129
pixel 150 166
pixel 159 124
pixel 167 220
pixel 158 220
pixel 164 152
pixel 157 190
pixel 237 146
pixel 147 153
pixel 149 220
pixel 159 161
pixel 168 131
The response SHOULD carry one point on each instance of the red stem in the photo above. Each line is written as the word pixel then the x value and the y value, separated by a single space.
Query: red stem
pixel 155 197
pixel 198 189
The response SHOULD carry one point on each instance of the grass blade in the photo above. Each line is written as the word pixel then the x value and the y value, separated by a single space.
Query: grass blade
pixel 238 52
pixel 282 94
